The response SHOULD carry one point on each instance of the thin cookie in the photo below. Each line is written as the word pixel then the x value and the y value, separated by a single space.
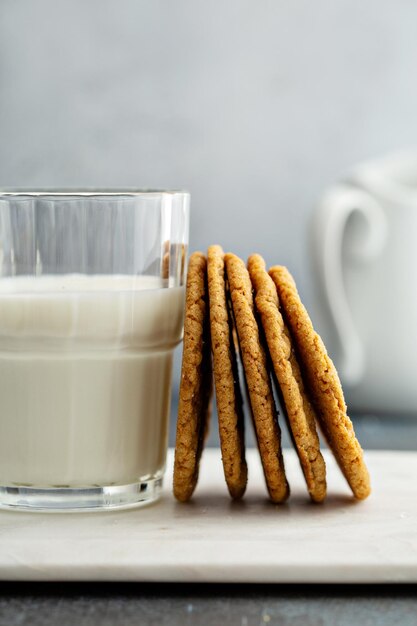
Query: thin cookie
pixel 323 384
pixel 257 378
pixel 301 415
pixel 228 396
pixel 174 254
pixel 196 381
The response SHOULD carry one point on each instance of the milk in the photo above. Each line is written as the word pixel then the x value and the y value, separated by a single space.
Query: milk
pixel 85 377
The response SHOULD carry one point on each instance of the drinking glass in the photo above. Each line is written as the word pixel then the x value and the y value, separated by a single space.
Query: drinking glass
pixel 91 309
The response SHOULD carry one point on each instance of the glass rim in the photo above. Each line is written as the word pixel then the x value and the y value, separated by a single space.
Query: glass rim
pixel 90 192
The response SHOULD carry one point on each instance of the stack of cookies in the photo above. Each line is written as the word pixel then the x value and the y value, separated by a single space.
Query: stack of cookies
pixel 233 312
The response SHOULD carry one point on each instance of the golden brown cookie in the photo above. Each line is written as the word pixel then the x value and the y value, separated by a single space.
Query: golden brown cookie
pixel 165 260
pixel 165 265
pixel 323 385
pixel 301 415
pixel 228 395
pixel 196 380
pixel 173 253
pixel 258 380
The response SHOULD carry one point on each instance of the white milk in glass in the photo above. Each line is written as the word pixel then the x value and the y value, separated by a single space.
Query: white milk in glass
pixel 85 378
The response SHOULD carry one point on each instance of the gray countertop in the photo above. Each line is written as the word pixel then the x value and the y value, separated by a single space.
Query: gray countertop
pixel 211 605
pixel 168 605
pixel 241 605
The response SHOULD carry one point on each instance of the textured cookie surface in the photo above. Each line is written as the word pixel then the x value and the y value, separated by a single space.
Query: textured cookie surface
pixel 196 380
pixel 257 379
pixel 228 396
pixel 323 385
pixel 300 413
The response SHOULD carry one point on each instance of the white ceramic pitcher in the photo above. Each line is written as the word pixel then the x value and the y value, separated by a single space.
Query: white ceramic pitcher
pixel 365 245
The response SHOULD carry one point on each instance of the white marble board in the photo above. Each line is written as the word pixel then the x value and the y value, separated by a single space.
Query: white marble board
pixel 214 539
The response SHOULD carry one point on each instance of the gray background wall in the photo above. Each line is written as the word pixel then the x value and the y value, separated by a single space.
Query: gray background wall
pixel 255 107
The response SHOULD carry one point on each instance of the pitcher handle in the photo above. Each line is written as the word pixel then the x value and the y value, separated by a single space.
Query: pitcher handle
pixel 334 211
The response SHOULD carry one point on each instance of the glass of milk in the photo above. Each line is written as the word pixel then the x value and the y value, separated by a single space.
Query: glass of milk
pixel 91 309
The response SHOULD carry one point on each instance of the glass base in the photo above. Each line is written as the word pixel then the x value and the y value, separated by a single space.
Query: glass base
pixel 57 500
